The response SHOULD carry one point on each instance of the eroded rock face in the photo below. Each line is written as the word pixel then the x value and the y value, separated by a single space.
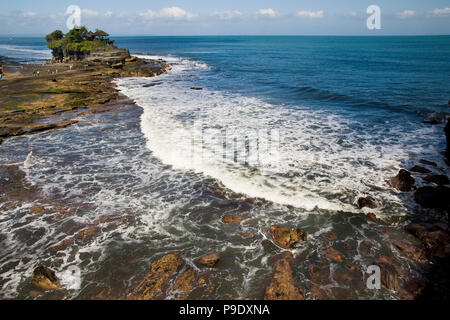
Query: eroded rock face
pixel 283 285
pixel 287 238
pixel 434 236
pixel 156 282
pixel 433 197
pixel 367 202
pixel 186 282
pixel 209 260
pixel 44 278
pixel 403 181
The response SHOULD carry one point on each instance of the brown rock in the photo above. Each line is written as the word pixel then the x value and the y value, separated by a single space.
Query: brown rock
pixel 287 238
pixel 367 202
pixel 390 278
pixel 334 255
pixel 45 279
pixel 409 249
pixel 156 282
pixel 403 181
pixel 351 267
pixel 233 219
pixel 419 169
pixel 365 247
pixel 210 260
pixel 186 282
pixel 37 210
pixel 319 273
pixel 440 180
pixel 318 293
pixel 283 285
pixel 373 217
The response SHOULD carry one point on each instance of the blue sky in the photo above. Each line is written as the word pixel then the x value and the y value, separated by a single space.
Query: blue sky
pixel 231 17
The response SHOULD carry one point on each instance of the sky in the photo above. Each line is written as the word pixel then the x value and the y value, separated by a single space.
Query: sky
pixel 230 17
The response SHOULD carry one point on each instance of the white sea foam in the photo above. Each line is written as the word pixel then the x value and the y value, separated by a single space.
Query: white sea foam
pixel 323 161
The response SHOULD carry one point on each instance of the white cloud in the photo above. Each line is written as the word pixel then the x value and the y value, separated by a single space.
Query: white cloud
pixel 108 13
pixel 89 13
pixel 173 13
pixel 310 14
pixel 28 14
pixel 269 12
pixel 441 12
pixel 406 14
pixel 227 15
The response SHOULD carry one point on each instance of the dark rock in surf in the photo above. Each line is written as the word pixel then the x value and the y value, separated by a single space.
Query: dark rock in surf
pixel 373 218
pixel 433 197
pixel 419 169
pixel 287 238
pixel 403 181
pixel 45 278
pixel 429 163
pixel 335 255
pixel 196 88
pixel 367 202
pixel 440 180
pixel 447 136
pixel 434 236
pixel 432 121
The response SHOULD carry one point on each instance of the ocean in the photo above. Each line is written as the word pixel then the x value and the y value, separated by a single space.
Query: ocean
pixel 304 125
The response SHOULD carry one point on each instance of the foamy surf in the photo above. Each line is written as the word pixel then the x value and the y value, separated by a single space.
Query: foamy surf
pixel 322 161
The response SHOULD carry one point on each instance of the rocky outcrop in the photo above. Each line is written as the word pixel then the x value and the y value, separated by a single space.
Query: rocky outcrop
pixel 367 202
pixel 412 251
pixel 113 57
pixel 156 282
pixel 433 197
pixel 186 282
pixel 373 218
pixel 283 285
pixel 435 236
pixel 287 238
pixel 428 163
pixel 210 260
pixel 403 181
pixel 45 279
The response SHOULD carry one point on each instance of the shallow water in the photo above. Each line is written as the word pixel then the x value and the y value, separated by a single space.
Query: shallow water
pixel 175 164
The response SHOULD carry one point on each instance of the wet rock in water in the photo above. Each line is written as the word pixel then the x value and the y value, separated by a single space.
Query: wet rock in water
pixel 82 236
pixel 319 273
pixel 410 250
pixel 317 293
pixel 196 88
pixel 373 217
pixel 433 197
pixel 403 181
pixel 156 282
pixel 390 277
pixel 434 236
pixel 333 236
pixel 419 169
pixel 287 238
pixel 283 285
pixel 335 255
pixel 447 136
pixel 187 282
pixel 429 163
pixel 37 210
pixel 432 121
pixel 232 219
pixel 209 260
pixel 367 202
pixel 45 279
pixel 365 247
pixel 351 267
pixel 440 180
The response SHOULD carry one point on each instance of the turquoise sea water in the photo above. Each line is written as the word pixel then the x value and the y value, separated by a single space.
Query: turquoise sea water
pixel 333 117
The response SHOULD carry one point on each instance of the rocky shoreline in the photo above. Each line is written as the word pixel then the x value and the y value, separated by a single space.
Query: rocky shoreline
pixel 38 98
pixel 85 87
